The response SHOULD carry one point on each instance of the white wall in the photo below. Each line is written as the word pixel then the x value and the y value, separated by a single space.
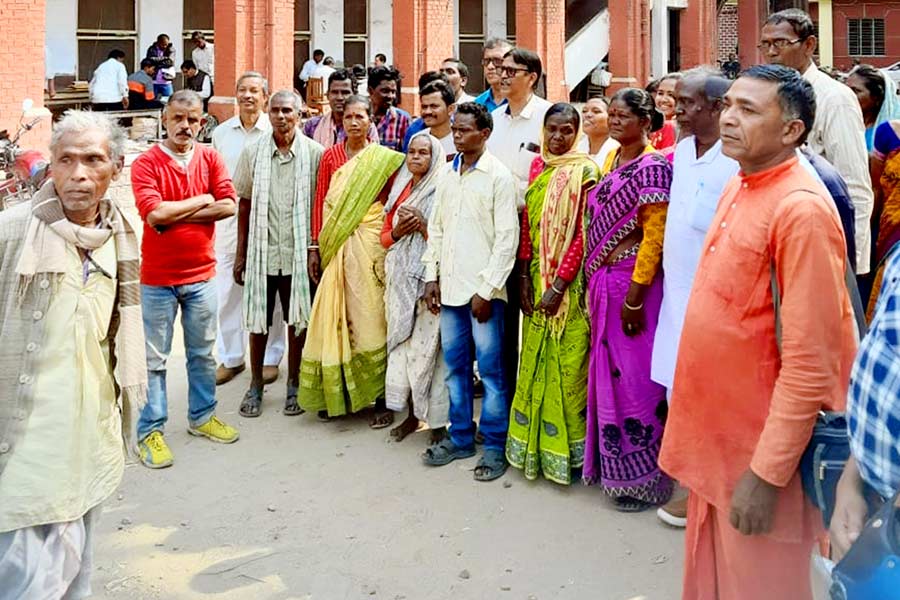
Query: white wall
pixel 327 23
pixel 495 18
pixel 155 17
pixel 62 19
pixel 381 29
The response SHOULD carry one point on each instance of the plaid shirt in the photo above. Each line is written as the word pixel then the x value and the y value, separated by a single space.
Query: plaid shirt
pixel 873 404
pixel 392 128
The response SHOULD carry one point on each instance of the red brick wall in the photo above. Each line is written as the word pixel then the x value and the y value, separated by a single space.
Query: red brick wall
pixel 541 26
pixel 699 33
pixel 728 31
pixel 629 43
pixel 858 9
pixel 22 67
pixel 249 39
pixel 423 37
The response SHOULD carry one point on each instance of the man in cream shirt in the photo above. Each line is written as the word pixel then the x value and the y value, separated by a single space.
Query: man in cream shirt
pixel 230 138
pixel 838 133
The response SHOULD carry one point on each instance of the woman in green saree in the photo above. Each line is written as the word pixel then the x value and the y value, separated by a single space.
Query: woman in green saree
pixel 547 420
pixel 345 357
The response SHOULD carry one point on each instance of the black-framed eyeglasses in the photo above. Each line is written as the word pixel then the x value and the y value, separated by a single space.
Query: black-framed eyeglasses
pixel 496 62
pixel 511 71
pixel 778 44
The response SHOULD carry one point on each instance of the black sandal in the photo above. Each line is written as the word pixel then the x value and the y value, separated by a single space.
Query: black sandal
pixel 491 466
pixel 291 407
pixel 627 504
pixel 251 406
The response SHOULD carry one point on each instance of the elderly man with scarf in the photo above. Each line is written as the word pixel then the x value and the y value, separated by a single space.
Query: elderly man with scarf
pixel 275 180
pixel 72 361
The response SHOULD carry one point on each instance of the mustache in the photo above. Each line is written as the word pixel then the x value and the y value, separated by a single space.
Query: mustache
pixel 185 132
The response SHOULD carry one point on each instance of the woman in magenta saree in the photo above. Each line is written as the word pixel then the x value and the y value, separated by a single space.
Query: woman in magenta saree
pixel 625 222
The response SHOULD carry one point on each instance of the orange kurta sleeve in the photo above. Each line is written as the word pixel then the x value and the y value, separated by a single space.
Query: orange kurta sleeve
pixel 816 321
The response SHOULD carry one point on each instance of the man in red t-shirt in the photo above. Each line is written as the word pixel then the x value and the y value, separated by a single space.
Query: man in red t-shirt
pixel 181 189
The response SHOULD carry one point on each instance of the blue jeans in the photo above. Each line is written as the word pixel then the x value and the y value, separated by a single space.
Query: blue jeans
pixel 198 321
pixel 459 329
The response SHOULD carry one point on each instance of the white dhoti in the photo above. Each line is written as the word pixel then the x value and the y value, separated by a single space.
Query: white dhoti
pixel 231 340
pixel 48 562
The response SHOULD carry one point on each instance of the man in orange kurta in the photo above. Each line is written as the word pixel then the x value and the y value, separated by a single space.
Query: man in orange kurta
pixel 743 410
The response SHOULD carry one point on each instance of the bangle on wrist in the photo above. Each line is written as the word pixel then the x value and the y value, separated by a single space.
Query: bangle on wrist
pixel 630 307
pixel 558 291
pixel 313 247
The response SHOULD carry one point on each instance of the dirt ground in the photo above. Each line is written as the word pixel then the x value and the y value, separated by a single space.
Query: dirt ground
pixel 303 510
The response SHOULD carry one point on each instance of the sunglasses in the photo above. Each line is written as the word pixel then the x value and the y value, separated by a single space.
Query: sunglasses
pixel 494 62
pixel 511 71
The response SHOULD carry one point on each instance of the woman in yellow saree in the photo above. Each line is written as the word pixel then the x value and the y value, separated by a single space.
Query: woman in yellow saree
pixel 345 357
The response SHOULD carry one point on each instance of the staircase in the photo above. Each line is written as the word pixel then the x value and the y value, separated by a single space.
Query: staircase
pixel 587 38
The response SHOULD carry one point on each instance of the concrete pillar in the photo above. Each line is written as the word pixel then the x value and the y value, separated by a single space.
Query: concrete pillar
pixel 61 39
pixel 699 33
pixel 629 43
pixel 251 35
pixel 826 33
pixel 423 35
pixel 495 18
pixel 381 30
pixel 659 34
pixel 327 24
pixel 152 21
pixel 751 18
pixel 23 23
pixel 541 26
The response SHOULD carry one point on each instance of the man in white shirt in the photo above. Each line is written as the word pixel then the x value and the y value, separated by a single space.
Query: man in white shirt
pixel 230 138
pixel 309 67
pixel 203 55
pixel 324 71
pixel 472 240
pixel 516 141
pixel 457 73
pixel 437 104
pixel 838 133
pixel 700 174
pixel 109 85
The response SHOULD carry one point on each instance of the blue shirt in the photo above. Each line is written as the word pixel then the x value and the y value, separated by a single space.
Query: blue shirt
pixel 414 128
pixel 840 193
pixel 486 99
pixel 873 402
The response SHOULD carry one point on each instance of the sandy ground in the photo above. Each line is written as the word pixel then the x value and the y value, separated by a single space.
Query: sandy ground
pixel 303 510
pixel 299 509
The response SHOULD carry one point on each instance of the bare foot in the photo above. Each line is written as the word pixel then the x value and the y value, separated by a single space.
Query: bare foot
pixel 408 426
pixel 437 435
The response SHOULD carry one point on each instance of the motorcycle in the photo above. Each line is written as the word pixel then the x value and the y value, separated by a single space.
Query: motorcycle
pixel 22 172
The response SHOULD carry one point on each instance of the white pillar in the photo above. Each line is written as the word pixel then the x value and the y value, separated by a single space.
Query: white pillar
pixel 152 20
pixel 659 38
pixel 62 19
pixel 327 24
pixel 826 34
pixel 381 30
pixel 495 19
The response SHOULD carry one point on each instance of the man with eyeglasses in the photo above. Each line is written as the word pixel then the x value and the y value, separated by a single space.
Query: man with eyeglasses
pixel 838 133
pixel 492 59
pixel 516 141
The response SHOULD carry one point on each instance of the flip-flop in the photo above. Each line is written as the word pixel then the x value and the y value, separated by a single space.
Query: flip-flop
pixel 251 406
pixel 291 407
pixel 444 453
pixel 491 466
pixel 382 420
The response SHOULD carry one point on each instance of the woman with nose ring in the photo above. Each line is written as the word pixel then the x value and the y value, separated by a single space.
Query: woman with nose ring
pixel 624 225
pixel 547 420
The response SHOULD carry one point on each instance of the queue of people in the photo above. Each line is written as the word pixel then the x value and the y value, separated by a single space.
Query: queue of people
pixel 682 263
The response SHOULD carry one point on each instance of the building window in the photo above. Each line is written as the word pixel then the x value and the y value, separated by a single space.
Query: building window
pixel 198 16
pixel 471 40
pixel 301 38
pixel 356 32
pixel 104 26
pixel 865 37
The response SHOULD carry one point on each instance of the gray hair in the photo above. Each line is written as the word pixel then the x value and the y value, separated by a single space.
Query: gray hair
pixel 188 97
pixel 715 84
pixel 497 42
pixel 288 95
pixel 81 121
pixel 253 75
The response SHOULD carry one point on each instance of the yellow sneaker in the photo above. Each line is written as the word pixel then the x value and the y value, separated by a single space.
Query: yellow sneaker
pixel 217 431
pixel 155 454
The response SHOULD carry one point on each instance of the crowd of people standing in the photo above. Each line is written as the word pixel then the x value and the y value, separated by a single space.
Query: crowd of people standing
pixel 657 294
